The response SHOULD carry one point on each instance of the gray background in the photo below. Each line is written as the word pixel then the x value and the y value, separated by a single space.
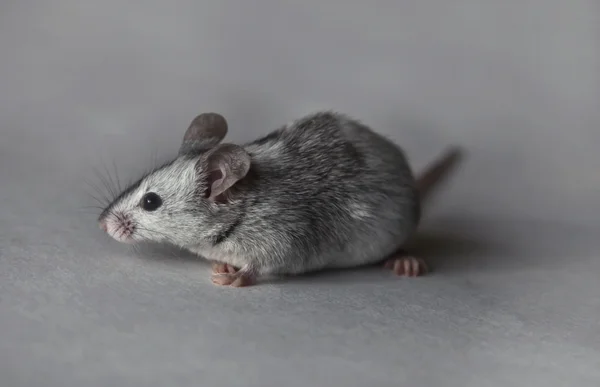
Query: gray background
pixel 513 237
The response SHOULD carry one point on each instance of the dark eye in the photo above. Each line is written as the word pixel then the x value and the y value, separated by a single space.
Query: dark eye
pixel 151 201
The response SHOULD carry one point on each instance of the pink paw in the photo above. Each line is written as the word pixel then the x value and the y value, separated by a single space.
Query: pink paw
pixel 223 268
pixel 224 274
pixel 235 280
pixel 406 265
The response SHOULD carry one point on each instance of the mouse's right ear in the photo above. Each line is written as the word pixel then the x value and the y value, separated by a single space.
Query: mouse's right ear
pixel 224 166
pixel 205 132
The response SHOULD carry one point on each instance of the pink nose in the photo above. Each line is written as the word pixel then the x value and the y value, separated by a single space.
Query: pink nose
pixel 103 226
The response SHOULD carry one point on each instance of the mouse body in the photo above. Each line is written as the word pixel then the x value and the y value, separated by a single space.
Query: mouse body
pixel 322 192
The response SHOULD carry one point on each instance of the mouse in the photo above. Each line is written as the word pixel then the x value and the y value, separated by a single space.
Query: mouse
pixel 324 191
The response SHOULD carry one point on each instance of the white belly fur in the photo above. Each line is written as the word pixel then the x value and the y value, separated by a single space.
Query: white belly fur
pixel 223 253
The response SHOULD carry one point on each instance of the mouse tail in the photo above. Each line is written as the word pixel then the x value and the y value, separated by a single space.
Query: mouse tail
pixel 432 177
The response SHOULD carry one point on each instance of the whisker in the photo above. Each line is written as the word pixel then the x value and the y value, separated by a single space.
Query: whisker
pixel 100 209
pixel 153 231
pixel 102 180
pixel 154 157
pixel 136 249
pixel 88 212
pixel 113 185
pixel 101 203
pixel 95 214
pixel 105 183
pixel 96 207
pixel 105 199
pixel 176 255
pixel 117 175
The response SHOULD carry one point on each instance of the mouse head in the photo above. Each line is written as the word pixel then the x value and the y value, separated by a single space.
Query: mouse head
pixel 186 201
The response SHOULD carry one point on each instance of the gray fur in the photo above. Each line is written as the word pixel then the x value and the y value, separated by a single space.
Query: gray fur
pixel 322 192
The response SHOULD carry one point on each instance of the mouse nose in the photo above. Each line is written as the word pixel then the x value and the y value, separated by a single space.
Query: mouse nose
pixel 103 225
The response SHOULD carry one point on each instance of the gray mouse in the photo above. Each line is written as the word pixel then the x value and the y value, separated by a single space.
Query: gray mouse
pixel 323 192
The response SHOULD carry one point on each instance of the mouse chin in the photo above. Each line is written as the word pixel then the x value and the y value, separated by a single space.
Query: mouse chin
pixel 123 238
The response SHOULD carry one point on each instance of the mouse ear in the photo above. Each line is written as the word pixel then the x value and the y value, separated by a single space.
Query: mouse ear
pixel 205 132
pixel 226 165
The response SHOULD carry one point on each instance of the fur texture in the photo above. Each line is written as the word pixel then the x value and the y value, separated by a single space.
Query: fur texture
pixel 322 192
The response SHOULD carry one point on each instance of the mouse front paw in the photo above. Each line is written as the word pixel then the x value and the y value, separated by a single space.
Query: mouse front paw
pixel 406 265
pixel 237 279
pixel 223 268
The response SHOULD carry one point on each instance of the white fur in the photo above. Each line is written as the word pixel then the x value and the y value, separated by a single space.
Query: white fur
pixel 173 184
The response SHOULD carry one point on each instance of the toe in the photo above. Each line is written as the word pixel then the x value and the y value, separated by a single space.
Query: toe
pixel 407 266
pixel 242 281
pixel 398 267
pixel 223 280
pixel 421 267
pixel 223 268
pixel 218 268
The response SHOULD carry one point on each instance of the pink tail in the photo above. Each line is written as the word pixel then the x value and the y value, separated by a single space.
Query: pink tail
pixel 435 173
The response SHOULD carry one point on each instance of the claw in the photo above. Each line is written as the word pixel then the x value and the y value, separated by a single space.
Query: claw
pixel 405 265
pixel 223 268
pixel 228 275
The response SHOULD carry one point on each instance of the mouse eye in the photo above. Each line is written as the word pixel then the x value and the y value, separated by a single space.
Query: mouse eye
pixel 151 201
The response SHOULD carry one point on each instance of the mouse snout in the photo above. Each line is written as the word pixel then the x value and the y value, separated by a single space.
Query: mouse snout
pixel 119 226
pixel 103 226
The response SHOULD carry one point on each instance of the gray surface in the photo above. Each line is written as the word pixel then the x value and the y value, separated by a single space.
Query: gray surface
pixel 514 300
